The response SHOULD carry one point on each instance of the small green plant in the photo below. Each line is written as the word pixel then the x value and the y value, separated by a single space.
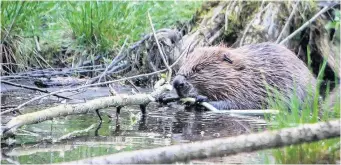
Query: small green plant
pixel 311 111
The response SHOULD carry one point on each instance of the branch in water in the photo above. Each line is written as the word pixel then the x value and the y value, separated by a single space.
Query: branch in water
pixel 82 108
pixel 223 146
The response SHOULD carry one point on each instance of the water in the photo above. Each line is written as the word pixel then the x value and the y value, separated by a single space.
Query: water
pixel 162 126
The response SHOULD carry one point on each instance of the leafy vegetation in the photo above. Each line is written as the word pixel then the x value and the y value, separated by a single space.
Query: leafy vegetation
pixel 311 111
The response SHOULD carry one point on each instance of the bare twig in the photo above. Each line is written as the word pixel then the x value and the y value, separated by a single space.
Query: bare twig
pixel 134 86
pixel 8 106
pixel 326 8
pixel 227 13
pixel 112 62
pixel 288 22
pixel 160 51
pixel 239 112
pixel 32 88
pixel 216 35
pixel 102 83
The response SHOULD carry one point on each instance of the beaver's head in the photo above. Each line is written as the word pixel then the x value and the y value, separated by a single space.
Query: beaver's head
pixel 183 87
pixel 205 72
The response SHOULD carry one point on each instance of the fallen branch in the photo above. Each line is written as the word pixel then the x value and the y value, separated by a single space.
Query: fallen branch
pixel 82 108
pixel 33 88
pixel 223 146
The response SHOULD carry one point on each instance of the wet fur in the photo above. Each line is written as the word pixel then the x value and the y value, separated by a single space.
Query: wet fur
pixel 238 78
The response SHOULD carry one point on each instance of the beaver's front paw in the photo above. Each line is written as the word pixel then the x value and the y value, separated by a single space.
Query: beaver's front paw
pixel 201 98
pixel 166 98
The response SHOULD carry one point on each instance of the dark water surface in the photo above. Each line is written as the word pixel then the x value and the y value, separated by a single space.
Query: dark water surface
pixel 163 126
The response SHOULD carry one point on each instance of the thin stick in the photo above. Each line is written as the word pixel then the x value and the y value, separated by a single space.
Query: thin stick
pixel 288 22
pixel 90 85
pixel 256 112
pixel 228 12
pixel 32 88
pixel 110 65
pixel 326 8
pixel 160 51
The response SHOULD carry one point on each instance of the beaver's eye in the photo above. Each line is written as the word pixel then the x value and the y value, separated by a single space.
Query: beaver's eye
pixel 199 67
pixel 227 58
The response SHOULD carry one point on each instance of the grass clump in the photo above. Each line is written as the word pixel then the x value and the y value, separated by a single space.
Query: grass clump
pixel 106 25
pixel 21 25
pixel 82 29
pixel 311 111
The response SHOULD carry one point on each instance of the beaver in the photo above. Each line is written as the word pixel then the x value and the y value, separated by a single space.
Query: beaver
pixel 244 77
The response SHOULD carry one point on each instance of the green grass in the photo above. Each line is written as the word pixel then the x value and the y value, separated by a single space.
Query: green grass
pixel 21 21
pixel 88 28
pixel 311 111
pixel 103 25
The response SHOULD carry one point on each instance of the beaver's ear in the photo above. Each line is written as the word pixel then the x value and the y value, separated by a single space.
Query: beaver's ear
pixel 226 57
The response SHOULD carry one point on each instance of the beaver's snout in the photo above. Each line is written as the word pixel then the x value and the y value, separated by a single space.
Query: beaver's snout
pixel 181 86
pixel 179 82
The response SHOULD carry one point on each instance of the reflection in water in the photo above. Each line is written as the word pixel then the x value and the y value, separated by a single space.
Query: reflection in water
pixel 161 126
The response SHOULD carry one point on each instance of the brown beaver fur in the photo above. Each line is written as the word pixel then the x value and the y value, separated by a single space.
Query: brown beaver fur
pixel 243 78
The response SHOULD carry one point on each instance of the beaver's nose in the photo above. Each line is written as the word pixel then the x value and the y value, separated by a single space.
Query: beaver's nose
pixel 179 81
